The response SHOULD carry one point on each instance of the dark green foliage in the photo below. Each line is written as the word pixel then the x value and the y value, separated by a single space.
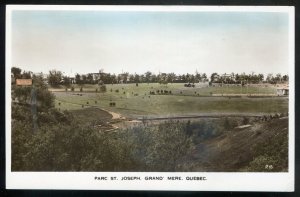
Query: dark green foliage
pixel 54 77
pixel 203 130
pixel 229 124
pixel 272 154
pixel 246 120
pixel 22 93
pixel 45 99
pixel 159 148
pixel 62 144
pixel 66 81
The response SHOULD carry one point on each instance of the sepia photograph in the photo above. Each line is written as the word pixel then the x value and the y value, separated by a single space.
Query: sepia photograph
pixel 166 94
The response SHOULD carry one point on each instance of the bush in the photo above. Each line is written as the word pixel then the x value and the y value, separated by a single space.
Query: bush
pixel 103 88
pixel 246 120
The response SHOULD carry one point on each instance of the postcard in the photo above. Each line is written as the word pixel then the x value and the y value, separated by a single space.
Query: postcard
pixel 177 98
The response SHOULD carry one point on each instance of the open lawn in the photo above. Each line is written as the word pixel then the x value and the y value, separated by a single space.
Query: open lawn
pixel 201 89
pixel 135 101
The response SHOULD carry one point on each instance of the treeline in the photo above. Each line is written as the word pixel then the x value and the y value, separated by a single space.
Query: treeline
pixel 55 77
pixel 243 78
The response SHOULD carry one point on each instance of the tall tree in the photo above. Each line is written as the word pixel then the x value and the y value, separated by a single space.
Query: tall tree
pixel 16 72
pixel 214 77
pixel 148 75
pixel 78 78
pixel 54 77
pixel 90 79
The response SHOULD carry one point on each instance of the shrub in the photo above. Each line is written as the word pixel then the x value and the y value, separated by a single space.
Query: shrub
pixel 103 88
pixel 246 120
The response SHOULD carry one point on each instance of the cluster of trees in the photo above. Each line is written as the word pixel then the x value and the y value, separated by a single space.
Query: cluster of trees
pixel 243 78
pixel 18 74
pixel 278 78
pixel 149 77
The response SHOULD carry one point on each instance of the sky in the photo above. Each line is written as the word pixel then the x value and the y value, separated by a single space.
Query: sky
pixel 139 41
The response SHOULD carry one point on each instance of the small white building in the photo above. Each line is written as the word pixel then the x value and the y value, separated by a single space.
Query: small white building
pixel 283 91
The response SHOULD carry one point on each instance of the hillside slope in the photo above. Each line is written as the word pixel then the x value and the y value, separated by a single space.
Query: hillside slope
pixel 263 146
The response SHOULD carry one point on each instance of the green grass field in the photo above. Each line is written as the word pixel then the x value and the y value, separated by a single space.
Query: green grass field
pixel 176 88
pixel 135 101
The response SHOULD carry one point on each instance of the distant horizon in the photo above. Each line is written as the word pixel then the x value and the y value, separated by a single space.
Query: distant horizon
pixel 156 73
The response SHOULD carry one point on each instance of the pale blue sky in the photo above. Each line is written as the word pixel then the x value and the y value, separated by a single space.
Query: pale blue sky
pixel 180 42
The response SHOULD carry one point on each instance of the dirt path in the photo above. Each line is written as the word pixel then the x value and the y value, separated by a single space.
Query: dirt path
pixel 204 115
pixel 115 116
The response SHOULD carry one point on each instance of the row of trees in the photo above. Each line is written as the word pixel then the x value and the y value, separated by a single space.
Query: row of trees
pixel 235 78
pixel 56 78
pixel 147 77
